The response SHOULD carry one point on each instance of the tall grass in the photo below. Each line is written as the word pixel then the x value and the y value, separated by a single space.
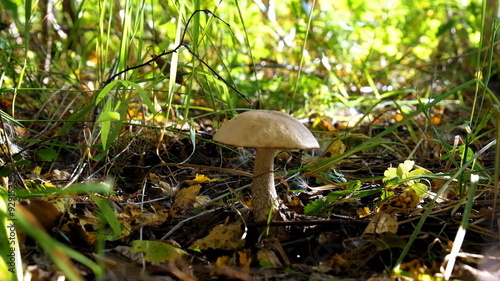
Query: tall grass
pixel 299 57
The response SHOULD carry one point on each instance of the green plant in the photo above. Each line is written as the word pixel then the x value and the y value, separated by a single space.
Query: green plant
pixel 323 206
pixel 405 177
pixel 14 218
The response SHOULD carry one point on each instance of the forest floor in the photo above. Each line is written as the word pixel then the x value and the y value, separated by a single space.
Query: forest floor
pixel 343 221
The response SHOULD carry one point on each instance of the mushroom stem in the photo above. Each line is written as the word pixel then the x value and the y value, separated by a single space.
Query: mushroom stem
pixel 265 200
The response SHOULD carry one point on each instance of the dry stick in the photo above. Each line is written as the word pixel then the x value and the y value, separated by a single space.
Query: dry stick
pixel 182 44
pixel 216 74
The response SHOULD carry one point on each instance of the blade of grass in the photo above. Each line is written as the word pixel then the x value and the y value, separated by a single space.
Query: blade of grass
pixel 430 206
pixel 58 252
pixel 175 60
pixel 496 179
pixel 11 267
pixel 375 140
pixel 289 104
pixel 459 238
pixel 247 43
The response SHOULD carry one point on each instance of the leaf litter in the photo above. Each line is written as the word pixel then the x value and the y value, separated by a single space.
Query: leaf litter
pixel 349 216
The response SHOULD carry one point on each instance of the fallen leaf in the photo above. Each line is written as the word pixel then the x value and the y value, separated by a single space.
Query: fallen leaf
pixel 334 149
pixel 401 203
pixel 389 240
pixel 223 261
pixel 268 258
pixel 198 179
pixel 245 259
pixel 226 269
pixel 156 251
pixel 364 212
pixel 320 124
pixel 381 223
pixel 186 197
pixel 45 212
pixel 225 237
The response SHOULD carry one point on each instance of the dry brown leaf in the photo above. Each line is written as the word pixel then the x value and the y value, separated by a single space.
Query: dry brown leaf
pixel 334 149
pixel 56 175
pixel 45 212
pixel 245 259
pixel 382 223
pixel 269 258
pixel 223 261
pixel 401 203
pixel 320 124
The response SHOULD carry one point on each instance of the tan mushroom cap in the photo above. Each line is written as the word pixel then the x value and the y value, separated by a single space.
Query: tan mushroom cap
pixel 266 129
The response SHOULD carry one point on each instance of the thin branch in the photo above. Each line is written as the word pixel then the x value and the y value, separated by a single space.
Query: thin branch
pixel 217 74
pixel 182 44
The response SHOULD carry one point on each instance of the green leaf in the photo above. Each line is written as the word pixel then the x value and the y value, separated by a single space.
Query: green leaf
pixel 109 216
pixel 385 195
pixel 417 172
pixel 156 251
pixel 353 185
pixel 104 187
pixel 391 183
pixel 144 96
pixel 334 195
pixel 107 116
pixel 419 188
pixel 315 207
pixel 4 171
pixel 48 154
pixel 265 264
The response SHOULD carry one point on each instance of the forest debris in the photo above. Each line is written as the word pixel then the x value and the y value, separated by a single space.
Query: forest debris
pixel 225 237
pixel 400 204
pixel 156 251
pixel 381 223
pixel 227 267
pixel 268 258
pixel 186 197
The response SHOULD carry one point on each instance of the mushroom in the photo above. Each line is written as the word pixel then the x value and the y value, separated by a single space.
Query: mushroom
pixel 267 131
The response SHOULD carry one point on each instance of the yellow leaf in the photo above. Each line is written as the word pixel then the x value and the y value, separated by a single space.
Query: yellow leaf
pixel 186 197
pixel 223 261
pixel 198 179
pixel 364 212
pixel 334 149
pixel 225 237
pixel 245 259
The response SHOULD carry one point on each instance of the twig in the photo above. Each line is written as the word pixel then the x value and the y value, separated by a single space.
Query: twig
pixel 182 44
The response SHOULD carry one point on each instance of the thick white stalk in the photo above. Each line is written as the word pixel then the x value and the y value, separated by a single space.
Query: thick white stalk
pixel 265 200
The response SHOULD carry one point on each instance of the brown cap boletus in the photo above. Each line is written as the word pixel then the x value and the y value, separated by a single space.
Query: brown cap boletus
pixel 267 131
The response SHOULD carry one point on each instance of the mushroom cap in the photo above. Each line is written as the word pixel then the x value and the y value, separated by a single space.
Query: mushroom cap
pixel 266 129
